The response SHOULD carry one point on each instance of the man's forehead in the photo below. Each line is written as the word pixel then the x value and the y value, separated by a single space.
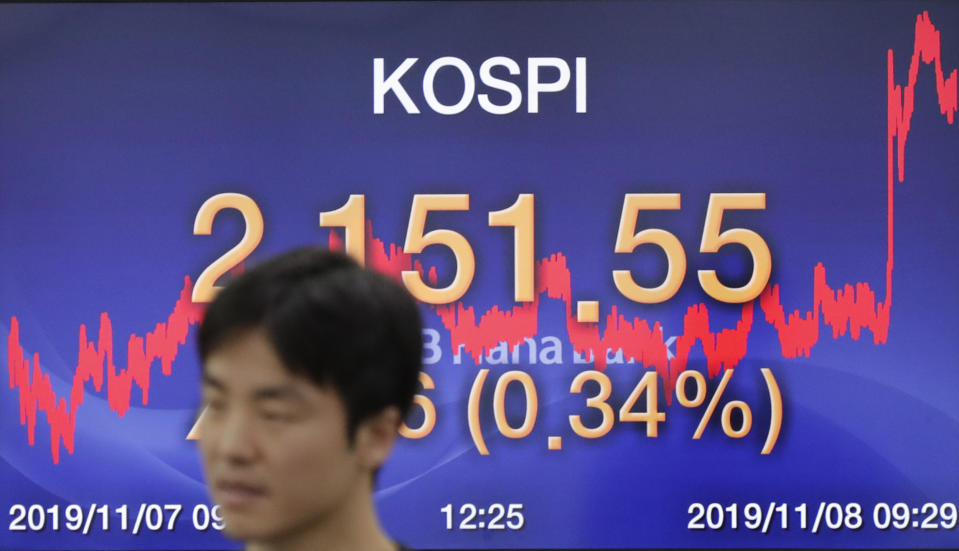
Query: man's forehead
pixel 249 364
pixel 247 359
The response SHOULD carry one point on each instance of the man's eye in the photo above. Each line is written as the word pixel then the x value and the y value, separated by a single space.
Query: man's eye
pixel 214 404
pixel 278 416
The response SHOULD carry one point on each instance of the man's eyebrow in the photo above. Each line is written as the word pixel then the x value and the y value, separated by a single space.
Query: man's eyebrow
pixel 279 392
pixel 210 380
pixel 282 392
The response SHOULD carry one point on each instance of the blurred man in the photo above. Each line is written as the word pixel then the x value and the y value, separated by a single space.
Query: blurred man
pixel 310 363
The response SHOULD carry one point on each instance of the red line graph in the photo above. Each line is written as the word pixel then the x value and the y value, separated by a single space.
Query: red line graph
pixel 851 308
pixel 93 360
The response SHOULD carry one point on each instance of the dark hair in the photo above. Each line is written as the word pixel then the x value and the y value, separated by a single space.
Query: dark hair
pixel 331 320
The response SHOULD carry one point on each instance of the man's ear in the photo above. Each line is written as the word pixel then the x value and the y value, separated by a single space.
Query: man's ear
pixel 375 437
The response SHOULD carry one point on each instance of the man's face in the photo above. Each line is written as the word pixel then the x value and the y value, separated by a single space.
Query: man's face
pixel 274 445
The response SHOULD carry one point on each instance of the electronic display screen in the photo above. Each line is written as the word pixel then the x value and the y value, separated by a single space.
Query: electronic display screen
pixel 688 269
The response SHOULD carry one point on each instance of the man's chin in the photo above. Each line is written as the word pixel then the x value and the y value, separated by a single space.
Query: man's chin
pixel 247 527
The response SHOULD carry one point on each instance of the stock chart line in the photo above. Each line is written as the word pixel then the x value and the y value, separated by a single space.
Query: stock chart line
pixel 851 308
pixel 93 361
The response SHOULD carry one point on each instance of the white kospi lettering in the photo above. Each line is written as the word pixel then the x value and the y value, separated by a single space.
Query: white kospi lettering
pixel 545 75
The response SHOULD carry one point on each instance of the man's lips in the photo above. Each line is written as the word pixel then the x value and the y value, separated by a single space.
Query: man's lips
pixel 238 493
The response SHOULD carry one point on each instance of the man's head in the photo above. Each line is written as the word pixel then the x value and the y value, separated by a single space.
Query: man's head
pixel 309 364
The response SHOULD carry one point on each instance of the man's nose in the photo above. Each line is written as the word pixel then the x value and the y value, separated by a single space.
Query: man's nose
pixel 238 439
